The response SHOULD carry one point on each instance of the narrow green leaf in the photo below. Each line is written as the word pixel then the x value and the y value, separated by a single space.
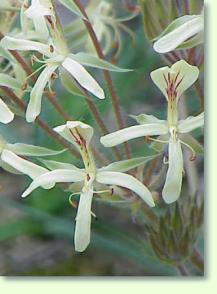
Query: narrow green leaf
pixel 72 6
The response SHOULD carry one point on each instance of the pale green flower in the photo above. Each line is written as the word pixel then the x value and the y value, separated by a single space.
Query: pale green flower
pixel 80 134
pixel 107 26
pixel 184 32
pixel 172 82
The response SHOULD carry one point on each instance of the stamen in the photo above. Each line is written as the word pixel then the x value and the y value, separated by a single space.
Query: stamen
pixel 157 140
pixel 73 203
pixel 104 191
pixel 193 155
pixel 37 70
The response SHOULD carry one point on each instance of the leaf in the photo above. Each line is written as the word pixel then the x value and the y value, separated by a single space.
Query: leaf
pixel 91 60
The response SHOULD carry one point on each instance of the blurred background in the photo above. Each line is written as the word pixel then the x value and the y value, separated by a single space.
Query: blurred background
pixel 36 233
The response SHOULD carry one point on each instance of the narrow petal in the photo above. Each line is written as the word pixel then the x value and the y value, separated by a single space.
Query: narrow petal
pixel 32 150
pixel 181 33
pixel 191 123
pixel 82 76
pixel 11 43
pixel 37 10
pixel 126 181
pixel 34 105
pixel 8 81
pixel 83 220
pixel 52 165
pixel 173 184
pixel 148 119
pixel 56 176
pixel 124 135
pixel 6 115
pixel 24 166
pixel 128 164
pixel 72 129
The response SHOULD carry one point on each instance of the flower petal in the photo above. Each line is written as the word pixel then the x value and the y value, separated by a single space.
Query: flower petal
pixel 128 164
pixel 191 123
pixel 32 150
pixel 52 165
pixel 83 220
pixel 82 76
pixel 184 74
pixel 8 81
pixel 70 130
pixel 148 119
pixel 37 10
pixel 6 115
pixel 126 181
pixel 34 105
pixel 24 166
pixel 173 184
pixel 11 43
pixel 190 26
pixel 126 134
pixel 56 176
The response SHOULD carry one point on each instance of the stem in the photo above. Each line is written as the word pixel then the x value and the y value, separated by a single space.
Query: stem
pixel 182 270
pixel 107 76
pixel 200 93
pixel 197 259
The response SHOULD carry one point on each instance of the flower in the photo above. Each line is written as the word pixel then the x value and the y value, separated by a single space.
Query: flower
pixel 56 56
pixel 107 27
pixel 6 115
pixel 80 134
pixel 11 159
pixel 172 82
pixel 184 32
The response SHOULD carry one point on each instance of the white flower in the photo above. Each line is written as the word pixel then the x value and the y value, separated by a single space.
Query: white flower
pixel 172 82
pixel 11 159
pixel 184 32
pixel 80 134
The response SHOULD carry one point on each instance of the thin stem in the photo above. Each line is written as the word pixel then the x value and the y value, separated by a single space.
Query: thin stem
pixel 200 93
pixel 182 270
pixel 107 76
pixel 197 259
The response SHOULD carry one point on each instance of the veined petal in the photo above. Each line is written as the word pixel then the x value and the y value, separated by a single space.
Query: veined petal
pixel 56 176
pixel 126 181
pixel 185 30
pixel 34 105
pixel 32 150
pixel 126 134
pixel 24 166
pixel 81 75
pixel 83 220
pixel 6 115
pixel 191 123
pixel 72 130
pixel 173 184
pixel 179 78
pixel 37 9
pixel 11 43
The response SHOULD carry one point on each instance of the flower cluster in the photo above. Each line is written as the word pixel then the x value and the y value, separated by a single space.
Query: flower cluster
pixel 42 38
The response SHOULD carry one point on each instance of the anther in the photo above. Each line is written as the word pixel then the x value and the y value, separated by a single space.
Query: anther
pixel 24 86
pixel 51 48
